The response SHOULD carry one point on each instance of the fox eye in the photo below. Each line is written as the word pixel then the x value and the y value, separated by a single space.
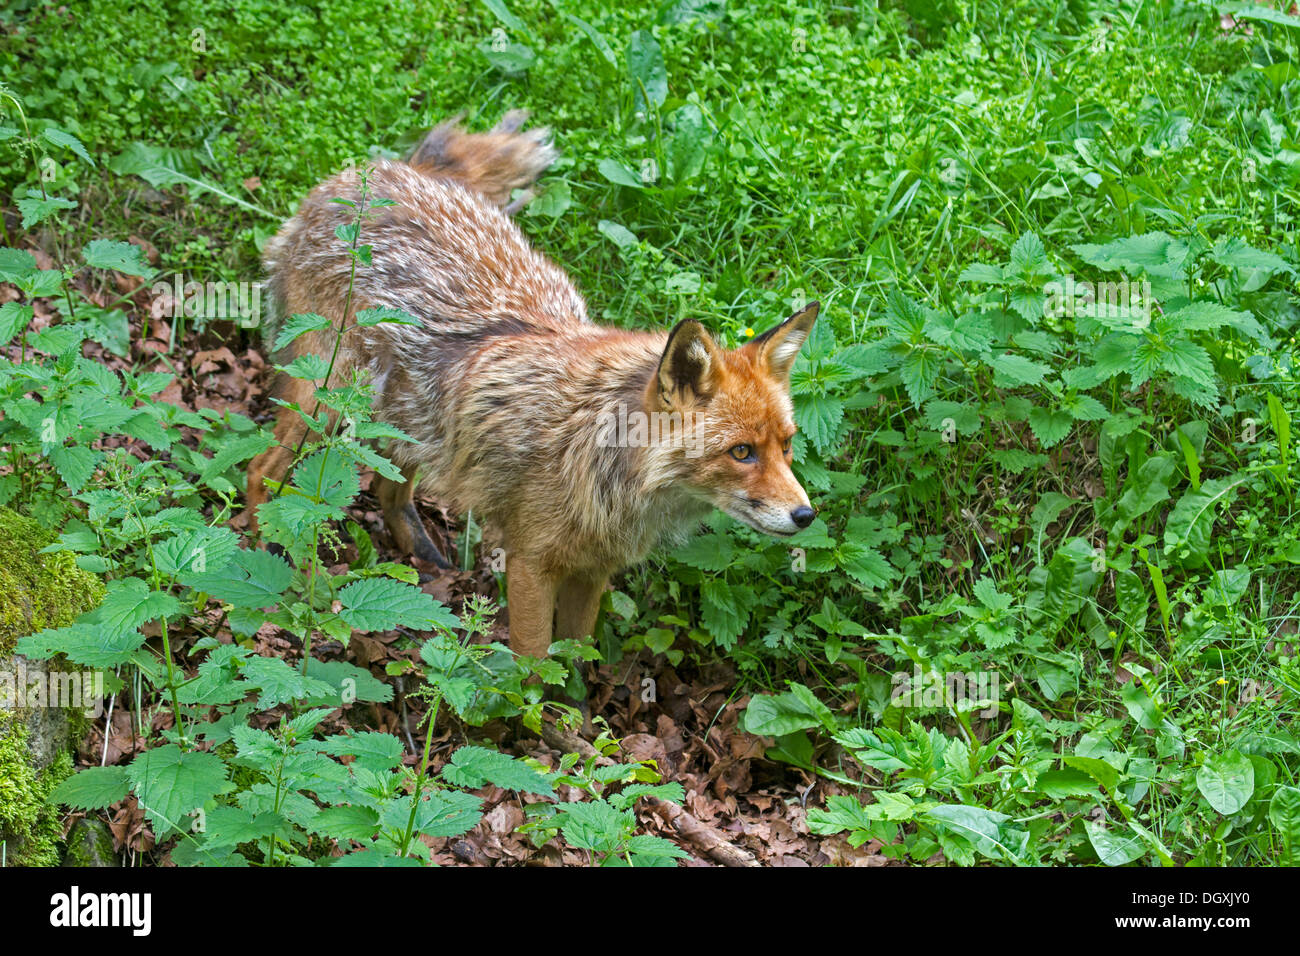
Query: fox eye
pixel 741 453
pixel 785 445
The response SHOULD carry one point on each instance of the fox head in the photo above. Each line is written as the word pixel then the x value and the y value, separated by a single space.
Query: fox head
pixel 737 409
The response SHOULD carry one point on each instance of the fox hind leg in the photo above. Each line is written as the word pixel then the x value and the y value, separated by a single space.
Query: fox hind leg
pixel 397 498
pixel 577 606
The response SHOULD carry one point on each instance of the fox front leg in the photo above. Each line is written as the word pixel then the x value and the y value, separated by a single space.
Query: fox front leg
pixel 530 596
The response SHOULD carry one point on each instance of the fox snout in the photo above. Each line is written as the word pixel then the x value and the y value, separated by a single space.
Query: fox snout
pixel 780 513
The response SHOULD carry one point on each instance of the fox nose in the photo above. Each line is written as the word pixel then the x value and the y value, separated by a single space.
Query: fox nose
pixel 802 516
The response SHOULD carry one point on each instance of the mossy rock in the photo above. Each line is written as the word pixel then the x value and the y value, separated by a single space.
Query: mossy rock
pixel 36 744
pixel 30 828
pixel 38 590
pixel 90 844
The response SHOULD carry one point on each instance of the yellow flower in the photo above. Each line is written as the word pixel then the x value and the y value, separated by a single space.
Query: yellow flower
pixel 1221 681
pixel 749 333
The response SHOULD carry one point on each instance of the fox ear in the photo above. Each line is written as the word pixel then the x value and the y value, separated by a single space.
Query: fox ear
pixel 778 347
pixel 689 367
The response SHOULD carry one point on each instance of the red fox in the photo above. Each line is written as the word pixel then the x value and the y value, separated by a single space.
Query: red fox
pixel 584 446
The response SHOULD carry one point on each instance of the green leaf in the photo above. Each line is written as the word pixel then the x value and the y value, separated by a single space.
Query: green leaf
pixel 201 550
pixel 280 683
pixel 308 367
pixel 819 417
pixel 1085 408
pixel 646 70
pixel 1028 257
pixel 708 552
pixel 1236 254
pixel 472 767
pixel 1210 316
pixel 721 612
pixel 776 715
pixel 554 202
pixel 963 417
pixel 512 59
pixel 372 857
pixel 230 826
pixel 503 13
pixel 619 235
pixel 1050 426
pixel 1188 360
pixel 1064 784
pixel 346 823
pixel 619 174
pixel 1114 849
pixel 919 370
pixel 1144 491
pixel 349 682
pixel 987 593
pixel 162 166
pixel 597 39
pixel 83 643
pixel 251 579
pixel 982 272
pixel 1017 460
pixel 326 477
pixel 1284 814
pixel 40 283
pixel 386 314
pixel 1191 522
pixel 370 749
pixel 987 830
pixel 1155 253
pixel 593 826
pixel 36 211
pixel 689 145
pixel 14 318
pixel 865 565
pixel 297 325
pixel 1011 370
pixel 121 256
pixel 75 464
pixel 129 603
pixel 1095 767
pixel 442 813
pixel 1227 781
pixel 94 788
pixel 60 138
pixel 381 604
pixel 171 784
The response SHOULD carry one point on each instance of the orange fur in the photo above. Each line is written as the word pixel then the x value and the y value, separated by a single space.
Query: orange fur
pixel 508 388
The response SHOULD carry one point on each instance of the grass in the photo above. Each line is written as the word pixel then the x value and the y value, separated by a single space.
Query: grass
pixel 876 158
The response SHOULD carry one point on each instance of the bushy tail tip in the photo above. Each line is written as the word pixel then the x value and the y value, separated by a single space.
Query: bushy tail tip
pixel 493 163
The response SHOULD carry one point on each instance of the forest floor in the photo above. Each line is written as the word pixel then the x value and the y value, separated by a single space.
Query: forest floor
pixel 688 723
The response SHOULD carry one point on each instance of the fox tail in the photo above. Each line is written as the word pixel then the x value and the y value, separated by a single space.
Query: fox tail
pixel 492 164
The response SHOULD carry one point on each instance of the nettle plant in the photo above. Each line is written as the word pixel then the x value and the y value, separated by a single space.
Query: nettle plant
pixel 1001 384
pixel 243 775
